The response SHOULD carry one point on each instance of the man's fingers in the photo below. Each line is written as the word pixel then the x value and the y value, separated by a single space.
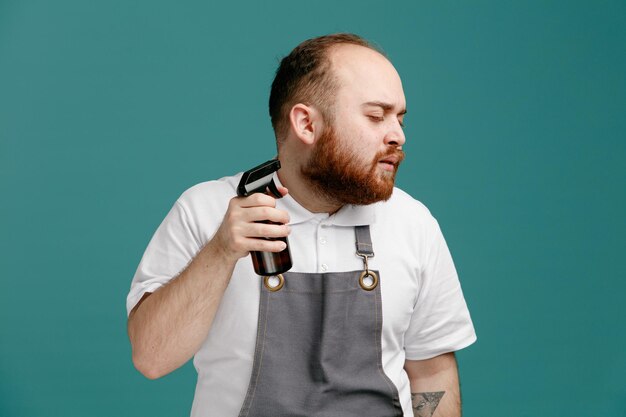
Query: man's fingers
pixel 250 221
pixel 264 245
pixel 283 190
pixel 255 200
pixel 255 214
pixel 267 230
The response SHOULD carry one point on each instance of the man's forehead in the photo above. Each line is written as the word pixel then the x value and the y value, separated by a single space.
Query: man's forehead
pixel 366 76
pixel 352 58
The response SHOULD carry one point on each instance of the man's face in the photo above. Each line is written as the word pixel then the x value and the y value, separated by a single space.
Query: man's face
pixel 355 159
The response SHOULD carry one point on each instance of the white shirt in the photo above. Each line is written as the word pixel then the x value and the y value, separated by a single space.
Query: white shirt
pixel 424 312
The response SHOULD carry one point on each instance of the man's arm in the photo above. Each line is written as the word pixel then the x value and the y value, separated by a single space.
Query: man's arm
pixel 166 328
pixel 435 386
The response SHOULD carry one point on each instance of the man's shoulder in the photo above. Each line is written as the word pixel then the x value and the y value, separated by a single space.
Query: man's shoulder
pixel 405 216
pixel 402 202
pixel 210 192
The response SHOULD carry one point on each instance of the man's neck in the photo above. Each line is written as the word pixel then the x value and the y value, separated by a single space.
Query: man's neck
pixel 301 191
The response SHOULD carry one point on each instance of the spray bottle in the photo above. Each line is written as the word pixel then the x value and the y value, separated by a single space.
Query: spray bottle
pixel 260 180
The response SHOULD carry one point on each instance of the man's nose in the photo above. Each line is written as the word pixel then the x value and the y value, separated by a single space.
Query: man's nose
pixel 395 135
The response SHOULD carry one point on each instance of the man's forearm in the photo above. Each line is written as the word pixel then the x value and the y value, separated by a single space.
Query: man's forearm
pixel 435 387
pixel 169 326
pixel 425 404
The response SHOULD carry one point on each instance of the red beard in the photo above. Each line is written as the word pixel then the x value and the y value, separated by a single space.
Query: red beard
pixel 339 175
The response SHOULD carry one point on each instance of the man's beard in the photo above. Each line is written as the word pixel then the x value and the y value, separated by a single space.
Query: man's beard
pixel 338 174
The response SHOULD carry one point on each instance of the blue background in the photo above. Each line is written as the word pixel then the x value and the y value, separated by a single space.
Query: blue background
pixel 516 142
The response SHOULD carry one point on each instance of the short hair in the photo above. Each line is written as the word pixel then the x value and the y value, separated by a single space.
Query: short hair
pixel 305 76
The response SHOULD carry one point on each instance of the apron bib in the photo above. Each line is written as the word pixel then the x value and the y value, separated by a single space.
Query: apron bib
pixel 318 346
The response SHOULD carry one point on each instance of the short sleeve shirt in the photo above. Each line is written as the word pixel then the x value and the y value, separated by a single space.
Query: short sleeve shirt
pixel 424 311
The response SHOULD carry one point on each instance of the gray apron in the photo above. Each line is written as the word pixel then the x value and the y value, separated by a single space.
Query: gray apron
pixel 318 346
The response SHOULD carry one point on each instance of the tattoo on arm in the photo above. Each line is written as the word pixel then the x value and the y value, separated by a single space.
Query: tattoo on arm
pixel 425 403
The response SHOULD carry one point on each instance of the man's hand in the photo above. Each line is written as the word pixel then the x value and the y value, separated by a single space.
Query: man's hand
pixel 242 229
pixel 434 386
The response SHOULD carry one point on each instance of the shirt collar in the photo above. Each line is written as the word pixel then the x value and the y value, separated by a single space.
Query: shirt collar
pixel 348 215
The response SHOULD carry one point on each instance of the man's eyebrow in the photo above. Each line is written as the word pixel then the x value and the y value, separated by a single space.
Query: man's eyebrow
pixel 382 105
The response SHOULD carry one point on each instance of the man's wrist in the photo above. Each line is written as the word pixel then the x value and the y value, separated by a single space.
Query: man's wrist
pixel 217 254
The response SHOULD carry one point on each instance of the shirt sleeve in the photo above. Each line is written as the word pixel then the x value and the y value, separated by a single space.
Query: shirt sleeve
pixel 440 322
pixel 172 247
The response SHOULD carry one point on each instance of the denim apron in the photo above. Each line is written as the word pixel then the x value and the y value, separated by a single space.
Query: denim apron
pixel 318 346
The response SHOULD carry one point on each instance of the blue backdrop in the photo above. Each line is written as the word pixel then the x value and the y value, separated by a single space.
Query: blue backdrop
pixel 516 142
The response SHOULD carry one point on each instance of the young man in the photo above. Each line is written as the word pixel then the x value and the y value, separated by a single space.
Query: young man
pixel 356 330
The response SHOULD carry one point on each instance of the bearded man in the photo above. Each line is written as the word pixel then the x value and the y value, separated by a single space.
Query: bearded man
pixel 326 342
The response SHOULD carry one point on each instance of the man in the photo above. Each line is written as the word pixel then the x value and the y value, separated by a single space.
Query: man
pixel 365 330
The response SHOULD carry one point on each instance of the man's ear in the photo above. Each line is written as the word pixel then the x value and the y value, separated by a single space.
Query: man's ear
pixel 305 122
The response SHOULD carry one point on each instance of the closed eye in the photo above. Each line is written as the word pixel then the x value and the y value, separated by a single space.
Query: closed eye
pixel 382 119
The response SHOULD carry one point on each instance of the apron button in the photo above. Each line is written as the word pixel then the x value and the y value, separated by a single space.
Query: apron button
pixel 324 267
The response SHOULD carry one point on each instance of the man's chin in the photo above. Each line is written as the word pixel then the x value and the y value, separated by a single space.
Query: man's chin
pixel 386 179
pixel 381 192
pixel 367 194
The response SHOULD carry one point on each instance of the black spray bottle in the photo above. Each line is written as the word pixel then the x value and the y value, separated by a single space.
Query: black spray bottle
pixel 259 180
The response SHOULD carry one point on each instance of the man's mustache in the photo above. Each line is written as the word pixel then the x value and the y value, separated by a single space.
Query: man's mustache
pixel 393 152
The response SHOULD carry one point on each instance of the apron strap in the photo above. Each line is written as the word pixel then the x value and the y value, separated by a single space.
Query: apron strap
pixel 368 279
pixel 363 241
